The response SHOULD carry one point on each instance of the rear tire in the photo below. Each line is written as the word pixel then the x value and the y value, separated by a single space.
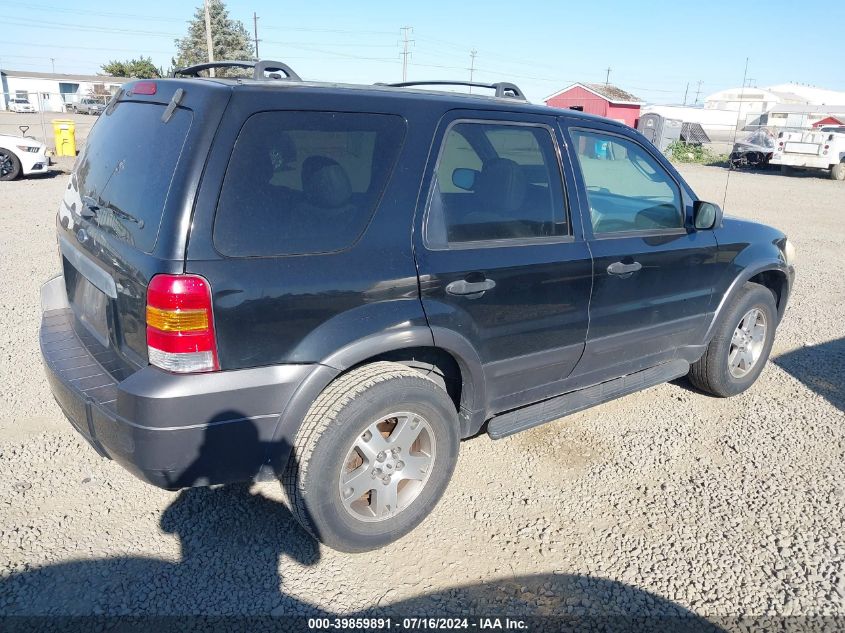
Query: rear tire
pixel 373 457
pixel 837 172
pixel 722 370
pixel 10 166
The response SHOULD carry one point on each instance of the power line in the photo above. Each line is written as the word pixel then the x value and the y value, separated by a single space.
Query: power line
pixel 84 27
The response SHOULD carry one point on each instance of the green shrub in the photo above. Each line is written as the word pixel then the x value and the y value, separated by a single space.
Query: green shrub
pixel 681 152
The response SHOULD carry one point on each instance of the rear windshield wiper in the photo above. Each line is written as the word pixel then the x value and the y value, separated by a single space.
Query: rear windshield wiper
pixel 91 207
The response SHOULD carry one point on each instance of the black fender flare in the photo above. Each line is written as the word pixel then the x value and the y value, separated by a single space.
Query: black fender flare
pixel 473 406
pixel 746 274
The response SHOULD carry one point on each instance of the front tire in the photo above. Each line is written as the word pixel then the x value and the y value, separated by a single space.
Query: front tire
pixel 10 166
pixel 372 457
pixel 741 345
pixel 837 171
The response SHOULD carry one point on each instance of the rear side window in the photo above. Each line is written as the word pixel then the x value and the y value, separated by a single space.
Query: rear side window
pixel 304 182
pixel 127 167
pixel 496 181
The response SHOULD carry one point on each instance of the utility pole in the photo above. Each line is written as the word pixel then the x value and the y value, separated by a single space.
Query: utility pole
pixel 405 52
pixel 472 55
pixel 208 41
pixel 698 91
pixel 685 93
pixel 53 64
pixel 255 31
pixel 607 77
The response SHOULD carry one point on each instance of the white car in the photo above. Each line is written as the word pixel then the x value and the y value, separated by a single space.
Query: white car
pixel 20 155
pixel 20 105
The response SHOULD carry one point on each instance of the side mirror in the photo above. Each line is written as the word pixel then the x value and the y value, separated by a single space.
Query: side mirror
pixel 464 178
pixel 706 215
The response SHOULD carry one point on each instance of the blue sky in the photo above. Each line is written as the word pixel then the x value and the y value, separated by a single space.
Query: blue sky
pixel 653 49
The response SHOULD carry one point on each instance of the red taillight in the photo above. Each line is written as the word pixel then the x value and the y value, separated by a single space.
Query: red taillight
pixel 144 88
pixel 180 324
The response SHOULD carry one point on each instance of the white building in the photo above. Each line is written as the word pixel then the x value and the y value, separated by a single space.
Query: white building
pixel 783 104
pixel 52 92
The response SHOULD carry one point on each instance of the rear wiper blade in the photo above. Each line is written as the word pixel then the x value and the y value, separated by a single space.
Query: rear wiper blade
pixel 91 207
pixel 123 215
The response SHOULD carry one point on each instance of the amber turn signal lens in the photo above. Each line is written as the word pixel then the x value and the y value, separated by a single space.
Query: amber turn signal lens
pixel 177 320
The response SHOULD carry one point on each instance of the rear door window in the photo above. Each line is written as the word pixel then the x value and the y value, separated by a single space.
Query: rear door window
pixel 304 182
pixel 127 167
pixel 496 181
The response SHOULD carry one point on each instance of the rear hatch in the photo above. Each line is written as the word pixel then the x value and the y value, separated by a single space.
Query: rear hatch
pixel 809 143
pixel 126 210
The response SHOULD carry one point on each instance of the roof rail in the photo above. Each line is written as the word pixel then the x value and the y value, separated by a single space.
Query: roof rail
pixel 502 88
pixel 259 68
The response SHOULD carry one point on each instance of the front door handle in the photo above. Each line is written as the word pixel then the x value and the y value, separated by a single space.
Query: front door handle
pixel 472 289
pixel 618 268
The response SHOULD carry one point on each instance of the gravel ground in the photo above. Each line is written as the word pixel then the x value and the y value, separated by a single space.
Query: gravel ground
pixel 664 501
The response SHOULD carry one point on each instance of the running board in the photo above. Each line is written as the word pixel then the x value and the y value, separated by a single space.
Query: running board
pixel 574 401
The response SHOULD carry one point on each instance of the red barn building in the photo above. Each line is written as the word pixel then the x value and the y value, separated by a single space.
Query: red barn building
pixel 603 99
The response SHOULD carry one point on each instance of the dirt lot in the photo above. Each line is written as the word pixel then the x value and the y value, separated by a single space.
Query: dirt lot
pixel 663 501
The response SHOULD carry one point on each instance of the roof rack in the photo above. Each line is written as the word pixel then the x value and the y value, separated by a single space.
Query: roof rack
pixel 502 88
pixel 259 69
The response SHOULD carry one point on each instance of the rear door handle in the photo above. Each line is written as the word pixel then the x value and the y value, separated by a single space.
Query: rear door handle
pixel 464 288
pixel 618 268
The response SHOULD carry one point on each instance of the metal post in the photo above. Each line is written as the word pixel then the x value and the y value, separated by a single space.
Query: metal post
pixel 208 41
pixel 255 32
pixel 405 52
pixel 41 113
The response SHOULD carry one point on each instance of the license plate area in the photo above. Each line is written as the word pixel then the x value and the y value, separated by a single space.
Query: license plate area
pixel 802 148
pixel 89 304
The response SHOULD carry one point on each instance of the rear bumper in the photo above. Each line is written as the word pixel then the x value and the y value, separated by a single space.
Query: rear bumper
pixel 801 160
pixel 170 430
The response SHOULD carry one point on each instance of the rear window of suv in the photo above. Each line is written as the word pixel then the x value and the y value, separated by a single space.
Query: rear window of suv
pixel 304 182
pixel 127 167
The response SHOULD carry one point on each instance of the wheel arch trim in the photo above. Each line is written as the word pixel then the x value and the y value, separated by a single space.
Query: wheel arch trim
pixel 368 347
pixel 745 275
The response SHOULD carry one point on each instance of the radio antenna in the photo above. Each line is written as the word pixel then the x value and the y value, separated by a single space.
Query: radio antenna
pixel 736 129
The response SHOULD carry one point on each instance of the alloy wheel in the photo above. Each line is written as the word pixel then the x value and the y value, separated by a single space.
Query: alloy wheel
pixel 747 343
pixel 387 466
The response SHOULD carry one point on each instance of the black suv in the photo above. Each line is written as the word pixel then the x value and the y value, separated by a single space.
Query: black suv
pixel 332 285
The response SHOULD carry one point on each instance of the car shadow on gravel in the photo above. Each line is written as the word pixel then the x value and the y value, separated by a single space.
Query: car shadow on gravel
pixel 232 542
pixel 820 367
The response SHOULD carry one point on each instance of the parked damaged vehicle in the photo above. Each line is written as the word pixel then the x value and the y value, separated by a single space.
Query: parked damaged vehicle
pixel 330 286
pixel 755 151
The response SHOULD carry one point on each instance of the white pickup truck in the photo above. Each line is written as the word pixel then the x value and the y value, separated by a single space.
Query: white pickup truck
pixel 816 149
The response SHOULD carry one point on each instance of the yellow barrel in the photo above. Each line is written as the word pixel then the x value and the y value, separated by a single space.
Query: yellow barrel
pixel 64 134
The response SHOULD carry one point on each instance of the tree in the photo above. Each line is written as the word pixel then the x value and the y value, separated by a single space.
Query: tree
pixel 141 68
pixel 229 37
